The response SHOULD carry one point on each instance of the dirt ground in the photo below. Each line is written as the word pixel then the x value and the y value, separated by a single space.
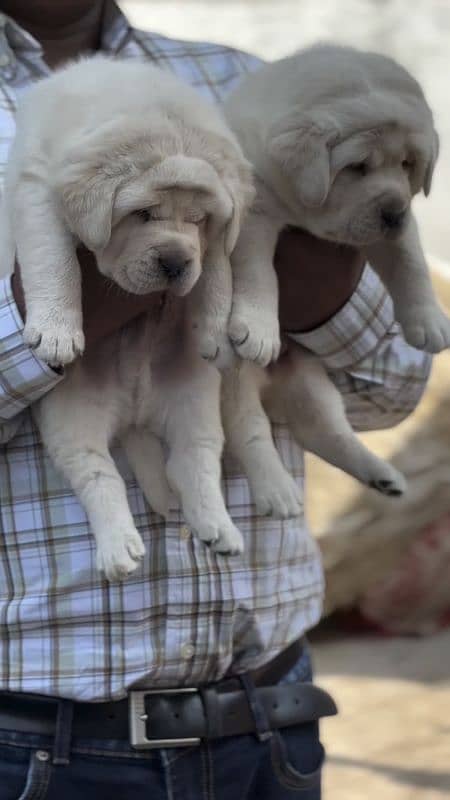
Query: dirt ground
pixel 391 740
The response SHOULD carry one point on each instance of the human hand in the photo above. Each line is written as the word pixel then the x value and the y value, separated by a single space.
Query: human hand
pixel 315 279
pixel 106 307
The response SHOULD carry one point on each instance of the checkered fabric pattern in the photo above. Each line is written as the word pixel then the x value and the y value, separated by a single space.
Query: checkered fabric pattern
pixel 186 616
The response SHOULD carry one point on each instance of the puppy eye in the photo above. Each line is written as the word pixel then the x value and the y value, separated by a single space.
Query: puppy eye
pixel 360 169
pixel 407 164
pixel 195 219
pixel 143 214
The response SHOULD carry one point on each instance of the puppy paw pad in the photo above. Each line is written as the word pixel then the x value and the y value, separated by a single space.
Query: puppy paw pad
pixel 55 346
pixel 216 348
pixel 256 337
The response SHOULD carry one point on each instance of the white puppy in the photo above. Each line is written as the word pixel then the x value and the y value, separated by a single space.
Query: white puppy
pixel 95 142
pixel 127 160
pixel 340 141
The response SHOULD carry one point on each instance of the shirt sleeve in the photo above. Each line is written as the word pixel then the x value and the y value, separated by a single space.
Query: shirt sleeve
pixel 23 377
pixel 381 377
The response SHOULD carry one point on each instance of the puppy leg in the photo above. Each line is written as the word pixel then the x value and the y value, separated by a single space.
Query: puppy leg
pixel 146 456
pixel 50 274
pixel 402 267
pixel 76 439
pixel 315 412
pixel 210 307
pixel 249 439
pixel 254 328
pixel 195 438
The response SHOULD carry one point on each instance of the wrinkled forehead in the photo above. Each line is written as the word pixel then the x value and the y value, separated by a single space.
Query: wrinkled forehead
pixel 176 200
pixel 391 145
pixel 387 144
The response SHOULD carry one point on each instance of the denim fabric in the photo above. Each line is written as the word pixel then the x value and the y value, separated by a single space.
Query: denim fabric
pixel 241 768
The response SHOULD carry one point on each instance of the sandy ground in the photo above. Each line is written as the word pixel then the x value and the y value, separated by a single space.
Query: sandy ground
pixel 391 740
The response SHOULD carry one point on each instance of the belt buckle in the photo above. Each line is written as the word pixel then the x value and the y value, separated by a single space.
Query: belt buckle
pixel 138 719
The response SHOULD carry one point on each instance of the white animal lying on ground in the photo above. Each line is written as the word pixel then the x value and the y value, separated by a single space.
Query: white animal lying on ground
pixel 132 163
pixel 340 141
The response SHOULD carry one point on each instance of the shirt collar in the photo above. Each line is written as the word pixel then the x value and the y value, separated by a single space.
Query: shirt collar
pixel 116 31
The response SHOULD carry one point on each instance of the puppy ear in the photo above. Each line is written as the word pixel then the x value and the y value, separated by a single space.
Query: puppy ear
pixel 239 185
pixel 88 176
pixel 300 144
pixel 431 164
pixel 87 196
pixel 235 174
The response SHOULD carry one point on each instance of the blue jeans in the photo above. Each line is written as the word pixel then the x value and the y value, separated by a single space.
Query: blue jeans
pixel 239 768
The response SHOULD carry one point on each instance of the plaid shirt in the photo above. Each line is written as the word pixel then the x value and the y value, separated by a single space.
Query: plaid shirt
pixel 186 616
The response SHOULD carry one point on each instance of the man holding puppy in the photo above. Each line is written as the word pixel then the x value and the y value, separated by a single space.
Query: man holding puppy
pixel 89 671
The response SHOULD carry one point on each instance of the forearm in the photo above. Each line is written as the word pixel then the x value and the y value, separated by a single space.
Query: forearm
pixel 23 377
pixel 386 387
pixel 381 377
pixel 106 307
pixel 316 279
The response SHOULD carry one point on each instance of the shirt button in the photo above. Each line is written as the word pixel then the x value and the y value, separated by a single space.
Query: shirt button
pixel 185 532
pixel 4 59
pixel 187 651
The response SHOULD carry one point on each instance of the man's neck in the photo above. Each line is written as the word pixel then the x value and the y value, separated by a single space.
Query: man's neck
pixel 65 30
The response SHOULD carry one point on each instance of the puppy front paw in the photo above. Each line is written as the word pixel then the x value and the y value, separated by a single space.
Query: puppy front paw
pixel 213 343
pixel 55 340
pixel 255 334
pixel 427 329
pixel 119 554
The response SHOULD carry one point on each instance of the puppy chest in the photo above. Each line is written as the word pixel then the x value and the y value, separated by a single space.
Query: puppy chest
pixel 153 356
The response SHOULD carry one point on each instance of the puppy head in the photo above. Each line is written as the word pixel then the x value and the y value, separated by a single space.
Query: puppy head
pixel 354 165
pixel 160 229
pixel 151 218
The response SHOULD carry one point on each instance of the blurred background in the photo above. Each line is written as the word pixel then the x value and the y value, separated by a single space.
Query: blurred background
pixel 383 649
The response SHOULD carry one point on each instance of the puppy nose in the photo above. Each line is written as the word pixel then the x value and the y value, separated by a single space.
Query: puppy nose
pixel 393 219
pixel 173 267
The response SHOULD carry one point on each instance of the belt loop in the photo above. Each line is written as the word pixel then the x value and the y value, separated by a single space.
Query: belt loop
pixel 211 710
pixel 257 709
pixel 63 734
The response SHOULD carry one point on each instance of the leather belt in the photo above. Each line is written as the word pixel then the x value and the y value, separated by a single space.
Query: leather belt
pixel 178 717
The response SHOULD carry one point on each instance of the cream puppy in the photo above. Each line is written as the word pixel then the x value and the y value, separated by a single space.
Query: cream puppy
pixel 340 141
pixel 127 160
pixel 94 143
